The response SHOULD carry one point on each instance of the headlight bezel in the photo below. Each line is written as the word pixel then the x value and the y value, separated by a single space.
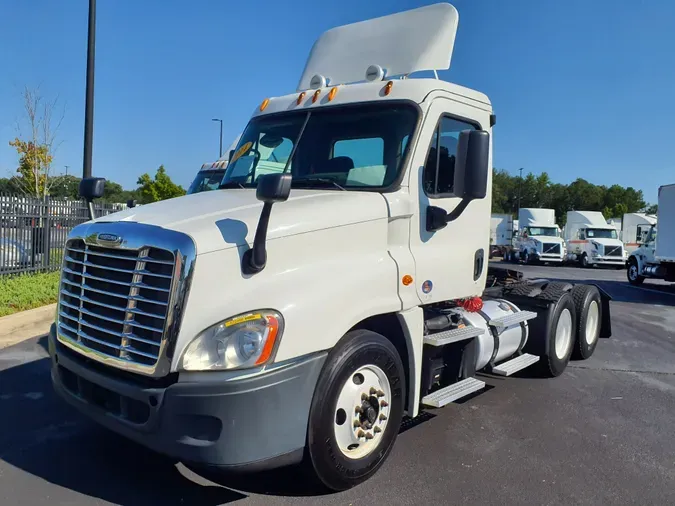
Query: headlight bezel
pixel 223 340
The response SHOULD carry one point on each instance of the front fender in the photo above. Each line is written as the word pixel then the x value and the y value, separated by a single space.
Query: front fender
pixel 322 282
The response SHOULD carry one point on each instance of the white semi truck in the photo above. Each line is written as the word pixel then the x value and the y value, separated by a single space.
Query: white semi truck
pixel 635 228
pixel 591 241
pixel 299 315
pixel 501 234
pixel 655 256
pixel 538 238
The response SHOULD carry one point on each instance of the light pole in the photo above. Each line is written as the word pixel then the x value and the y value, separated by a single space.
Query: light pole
pixel 520 184
pixel 220 155
pixel 67 167
pixel 89 100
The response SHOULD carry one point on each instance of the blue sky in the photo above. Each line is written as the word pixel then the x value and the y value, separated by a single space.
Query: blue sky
pixel 581 88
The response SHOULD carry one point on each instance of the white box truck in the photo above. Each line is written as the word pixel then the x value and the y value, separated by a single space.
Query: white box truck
pixel 501 234
pixel 301 314
pixel 635 228
pixel 538 238
pixel 655 256
pixel 591 241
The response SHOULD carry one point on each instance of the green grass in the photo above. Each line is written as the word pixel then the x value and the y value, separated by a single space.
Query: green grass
pixel 27 291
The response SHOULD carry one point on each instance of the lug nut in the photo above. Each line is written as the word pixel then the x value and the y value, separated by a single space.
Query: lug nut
pixel 369 435
pixel 357 410
pixel 384 404
pixel 373 390
pixel 364 397
pixel 377 430
pixel 357 424
pixel 380 393
pixel 360 434
pixel 382 417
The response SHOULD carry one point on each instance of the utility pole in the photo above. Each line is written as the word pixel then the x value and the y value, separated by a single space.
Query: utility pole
pixel 520 184
pixel 89 99
pixel 221 136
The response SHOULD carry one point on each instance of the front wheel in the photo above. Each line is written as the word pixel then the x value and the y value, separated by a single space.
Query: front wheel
pixel 357 409
pixel 584 261
pixel 633 273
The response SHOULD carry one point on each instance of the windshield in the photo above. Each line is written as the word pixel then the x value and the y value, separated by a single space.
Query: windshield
pixel 206 180
pixel 601 233
pixel 351 147
pixel 547 231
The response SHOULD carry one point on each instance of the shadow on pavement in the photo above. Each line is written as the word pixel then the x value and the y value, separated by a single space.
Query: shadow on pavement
pixel 49 440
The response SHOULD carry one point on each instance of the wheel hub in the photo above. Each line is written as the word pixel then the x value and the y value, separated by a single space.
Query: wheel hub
pixel 368 393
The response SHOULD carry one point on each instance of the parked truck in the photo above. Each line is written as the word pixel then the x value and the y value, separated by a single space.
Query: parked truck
pixel 591 241
pixel 501 234
pixel 655 256
pixel 538 238
pixel 635 228
pixel 300 314
pixel 211 174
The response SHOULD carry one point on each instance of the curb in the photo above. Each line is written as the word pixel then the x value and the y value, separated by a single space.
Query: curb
pixel 19 327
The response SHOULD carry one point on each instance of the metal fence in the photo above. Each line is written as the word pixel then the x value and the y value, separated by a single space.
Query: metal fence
pixel 33 231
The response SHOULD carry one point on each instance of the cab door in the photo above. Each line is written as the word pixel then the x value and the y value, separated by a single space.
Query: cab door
pixel 451 262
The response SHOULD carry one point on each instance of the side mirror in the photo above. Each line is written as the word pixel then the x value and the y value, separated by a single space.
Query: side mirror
pixel 92 188
pixel 472 164
pixel 271 188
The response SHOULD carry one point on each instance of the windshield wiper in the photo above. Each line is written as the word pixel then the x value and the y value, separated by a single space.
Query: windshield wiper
pixel 324 180
pixel 231 184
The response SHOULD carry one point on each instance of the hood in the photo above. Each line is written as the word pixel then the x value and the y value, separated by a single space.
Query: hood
pixel 606 242
pixel 546 238
pixel 224 219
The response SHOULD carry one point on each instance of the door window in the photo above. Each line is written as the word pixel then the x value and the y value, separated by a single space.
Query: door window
pixel 439 169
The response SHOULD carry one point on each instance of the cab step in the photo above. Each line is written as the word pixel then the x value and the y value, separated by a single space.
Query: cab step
pixel 512 319
pixel 451 393
pixel 515 364
pixel 452 336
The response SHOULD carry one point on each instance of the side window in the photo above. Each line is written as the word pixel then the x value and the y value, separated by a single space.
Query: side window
pixel 439 169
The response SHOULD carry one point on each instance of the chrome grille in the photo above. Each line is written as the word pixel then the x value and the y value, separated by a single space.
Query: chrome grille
pixel 115 302
pixel 551 248
pixel 613 251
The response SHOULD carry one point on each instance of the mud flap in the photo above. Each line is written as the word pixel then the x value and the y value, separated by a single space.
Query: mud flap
pixel 606 324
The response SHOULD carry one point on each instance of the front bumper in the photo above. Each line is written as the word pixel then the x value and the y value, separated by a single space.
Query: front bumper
pixel 546 257
pixel 246 424
pixel 607 260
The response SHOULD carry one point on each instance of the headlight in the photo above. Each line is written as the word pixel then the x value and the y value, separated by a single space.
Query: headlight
pixel 245 340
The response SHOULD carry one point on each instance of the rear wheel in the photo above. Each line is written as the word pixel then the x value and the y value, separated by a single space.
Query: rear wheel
pixel 588 305
pixel 357 409
pixel 633 273
pixel 560 332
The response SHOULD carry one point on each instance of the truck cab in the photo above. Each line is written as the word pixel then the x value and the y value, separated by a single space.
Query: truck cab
pixel 539 237
pixel 335 281
pixel 591 241
pixel 208 178
pixel 655 255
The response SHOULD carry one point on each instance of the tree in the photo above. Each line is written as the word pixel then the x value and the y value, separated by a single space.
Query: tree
pixel 65 187
pixel 35 148
pixel 159 188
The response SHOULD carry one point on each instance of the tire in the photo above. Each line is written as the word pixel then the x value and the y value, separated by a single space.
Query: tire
pixel 523 290
pixel 588 305
pixel 560 332
pixel 526 258
pixel 364 353
pixel 584 261
pixel 633 273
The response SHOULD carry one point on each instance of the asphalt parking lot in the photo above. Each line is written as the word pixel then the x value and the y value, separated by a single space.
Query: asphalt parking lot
pixel 602 433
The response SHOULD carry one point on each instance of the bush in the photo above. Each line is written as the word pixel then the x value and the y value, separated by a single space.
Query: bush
pixel 28 291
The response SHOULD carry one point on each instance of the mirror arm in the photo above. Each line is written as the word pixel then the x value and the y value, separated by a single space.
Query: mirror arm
pixel 255 258
pixel 90 205
pixel 457 211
